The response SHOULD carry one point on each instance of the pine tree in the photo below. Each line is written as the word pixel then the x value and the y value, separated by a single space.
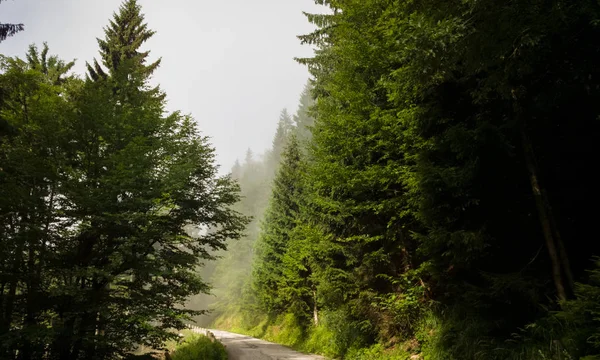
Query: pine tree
pixel 303 121
pixel 236 170
pixel 282 133
pixel 278 225
pixel 7 30
pixel 232 277
pixel 144 178
pixel 124 36
pixel 249 157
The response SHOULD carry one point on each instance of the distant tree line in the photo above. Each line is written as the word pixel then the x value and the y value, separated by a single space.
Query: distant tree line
pixel 230 276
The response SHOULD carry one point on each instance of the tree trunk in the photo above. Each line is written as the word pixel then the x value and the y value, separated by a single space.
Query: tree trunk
pixel 85 336
pixel 26 349
pixel 12 291
pixel 315 309
pixel 63 343
pixel 562 251
pixel 545 217
pixel 8 312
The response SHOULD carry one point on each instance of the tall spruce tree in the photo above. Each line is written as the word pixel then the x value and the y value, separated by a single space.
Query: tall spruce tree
pixel 303 120
pixel 278 225
pixel 146 179
pixel 124 36
pixel 282 133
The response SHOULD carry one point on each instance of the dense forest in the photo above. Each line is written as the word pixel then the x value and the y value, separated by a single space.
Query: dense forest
pixel 430 198
pixel 442 207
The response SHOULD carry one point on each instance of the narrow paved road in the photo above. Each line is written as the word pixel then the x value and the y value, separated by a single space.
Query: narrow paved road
pixel 241 347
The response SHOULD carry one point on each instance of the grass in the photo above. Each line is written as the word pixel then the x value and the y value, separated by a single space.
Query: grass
pixel 322 340
pixel 196 347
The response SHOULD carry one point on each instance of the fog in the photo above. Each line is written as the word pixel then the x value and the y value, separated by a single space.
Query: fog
pixel 228 63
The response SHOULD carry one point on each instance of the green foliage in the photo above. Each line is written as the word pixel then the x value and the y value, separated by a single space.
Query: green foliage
pixel 123 39
pixel 321 340
pixel 438 215
pixel 231 274
pixel 286 329
pixel 279 223
pixel 332 338
pixel 35 113
pixel 284 128
pixel 573 331
pixel 303 119
pixel 377 352
pixel 199 347
pixel 104 204
pixel 583 312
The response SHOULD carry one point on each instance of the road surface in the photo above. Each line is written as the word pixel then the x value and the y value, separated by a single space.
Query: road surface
pixel 241 347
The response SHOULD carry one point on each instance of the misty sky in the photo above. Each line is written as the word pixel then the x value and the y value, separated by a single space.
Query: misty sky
pixel 229 63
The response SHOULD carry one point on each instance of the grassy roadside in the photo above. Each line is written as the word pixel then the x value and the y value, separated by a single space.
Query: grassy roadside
pixel 322 340
pixel 196 346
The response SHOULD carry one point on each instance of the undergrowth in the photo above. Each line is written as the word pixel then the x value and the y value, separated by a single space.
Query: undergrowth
pixel 197 347
pixel 571 333
pixel 325 339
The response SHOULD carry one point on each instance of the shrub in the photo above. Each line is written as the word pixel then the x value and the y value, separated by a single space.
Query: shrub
pixel 200 347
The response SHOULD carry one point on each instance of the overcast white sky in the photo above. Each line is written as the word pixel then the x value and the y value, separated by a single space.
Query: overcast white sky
pixel 227 62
